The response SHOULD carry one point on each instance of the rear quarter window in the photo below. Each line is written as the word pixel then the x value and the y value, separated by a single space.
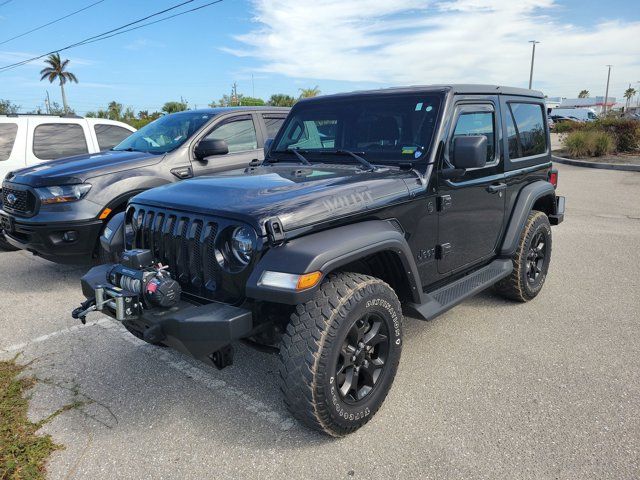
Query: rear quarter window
pixel 58 140
pixel 526 130
pixel 8 133
pixel 109 135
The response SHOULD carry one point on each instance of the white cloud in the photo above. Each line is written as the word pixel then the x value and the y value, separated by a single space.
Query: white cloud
pixel 422 42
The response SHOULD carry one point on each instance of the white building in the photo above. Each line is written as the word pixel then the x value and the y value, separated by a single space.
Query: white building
pixel 596 103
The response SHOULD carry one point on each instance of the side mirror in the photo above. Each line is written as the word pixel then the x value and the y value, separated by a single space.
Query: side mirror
pixel 470 152
pixel 209 147
pixel 267 146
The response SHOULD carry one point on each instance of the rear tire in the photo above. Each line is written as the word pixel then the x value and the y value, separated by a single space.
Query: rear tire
pixel 340 353
pixel 530 261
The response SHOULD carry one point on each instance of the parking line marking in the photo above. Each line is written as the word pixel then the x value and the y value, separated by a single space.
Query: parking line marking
pixel 203 377
pixel 44 338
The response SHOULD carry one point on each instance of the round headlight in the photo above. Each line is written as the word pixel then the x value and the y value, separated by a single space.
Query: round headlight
pixel 242 244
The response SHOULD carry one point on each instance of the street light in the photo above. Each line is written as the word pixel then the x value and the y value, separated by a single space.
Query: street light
pixel 606 94
pixel 533 56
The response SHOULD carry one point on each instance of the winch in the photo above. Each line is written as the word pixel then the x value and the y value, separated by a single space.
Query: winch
pixel 132 285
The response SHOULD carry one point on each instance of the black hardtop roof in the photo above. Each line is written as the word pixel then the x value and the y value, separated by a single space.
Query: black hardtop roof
pixel 467 89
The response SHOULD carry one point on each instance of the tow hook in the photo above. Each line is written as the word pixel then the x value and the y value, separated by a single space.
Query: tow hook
pixel 223 357
pixel 83 310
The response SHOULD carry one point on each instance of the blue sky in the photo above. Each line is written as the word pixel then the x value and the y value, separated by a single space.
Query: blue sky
pixel 336 44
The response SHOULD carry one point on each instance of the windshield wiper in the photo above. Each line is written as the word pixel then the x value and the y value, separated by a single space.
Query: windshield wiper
pixel 364 162
pixel 295 151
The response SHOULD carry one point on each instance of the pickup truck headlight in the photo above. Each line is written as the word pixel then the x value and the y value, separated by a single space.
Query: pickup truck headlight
pixel 63 193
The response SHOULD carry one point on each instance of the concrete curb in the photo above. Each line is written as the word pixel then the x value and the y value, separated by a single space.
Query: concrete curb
pixel 603 166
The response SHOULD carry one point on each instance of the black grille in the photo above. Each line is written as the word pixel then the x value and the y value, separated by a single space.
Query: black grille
pixel 184 242
pixel 19 201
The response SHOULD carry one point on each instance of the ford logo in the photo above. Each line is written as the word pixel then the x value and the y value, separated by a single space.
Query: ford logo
pixel 12 199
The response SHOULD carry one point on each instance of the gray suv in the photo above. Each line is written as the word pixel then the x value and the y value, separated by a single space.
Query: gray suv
pixel 58 210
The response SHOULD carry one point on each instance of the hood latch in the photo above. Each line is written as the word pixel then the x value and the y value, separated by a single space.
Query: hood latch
pixel 275 232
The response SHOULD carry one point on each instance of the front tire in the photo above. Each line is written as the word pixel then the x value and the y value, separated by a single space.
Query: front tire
pixel 340 353
pixel 6 246
pixel 530 262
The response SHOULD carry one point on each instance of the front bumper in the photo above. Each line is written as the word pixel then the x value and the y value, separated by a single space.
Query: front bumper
pixel 47 240
pixel 196 330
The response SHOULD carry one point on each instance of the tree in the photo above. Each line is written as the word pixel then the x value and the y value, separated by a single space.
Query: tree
pixel 250 101
pixel 309 92
pixel 56 109
pixel 173 107
pixel 8 107
pixel 57 71
pixel 281 100
pixel 114 110
pixel 629 93
pixel 583 94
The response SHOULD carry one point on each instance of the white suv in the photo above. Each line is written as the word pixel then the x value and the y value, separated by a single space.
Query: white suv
pixel 30 139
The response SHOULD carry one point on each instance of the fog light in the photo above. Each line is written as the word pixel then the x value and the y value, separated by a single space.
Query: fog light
pixel 70 236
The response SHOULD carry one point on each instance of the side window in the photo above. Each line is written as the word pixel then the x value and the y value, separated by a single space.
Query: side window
pixel 477 123
pixel 8 133
pixel 239 133
pixel 273 124
pixel 525 130
pixel 110 135
pixel 57 140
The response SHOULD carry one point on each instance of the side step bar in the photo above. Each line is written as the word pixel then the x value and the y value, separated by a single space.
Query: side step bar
pixel 441 300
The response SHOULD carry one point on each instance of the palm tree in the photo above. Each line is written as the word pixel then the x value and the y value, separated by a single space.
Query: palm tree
pixel 583 94
pixel 57 71
pixel 629 93
pixel 309 92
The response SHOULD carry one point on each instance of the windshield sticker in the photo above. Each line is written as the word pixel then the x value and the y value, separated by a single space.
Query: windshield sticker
pixel 418 154
pixel 408 150
pixel 419 107
pixel 429 108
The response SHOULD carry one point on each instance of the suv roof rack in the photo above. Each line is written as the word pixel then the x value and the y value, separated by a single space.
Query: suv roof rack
pixel 64 115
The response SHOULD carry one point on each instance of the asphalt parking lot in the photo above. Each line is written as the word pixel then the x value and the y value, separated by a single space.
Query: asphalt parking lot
pixel 492 389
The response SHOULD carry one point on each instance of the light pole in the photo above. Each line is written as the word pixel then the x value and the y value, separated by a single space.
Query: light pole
pixel 533 56
pixel 606 94
pixel 638 101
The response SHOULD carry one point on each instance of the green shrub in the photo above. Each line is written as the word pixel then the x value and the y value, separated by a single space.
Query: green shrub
pixel 600 143
pixel 567 126
pixel 589 143
pixel 626 132
pixel 577 144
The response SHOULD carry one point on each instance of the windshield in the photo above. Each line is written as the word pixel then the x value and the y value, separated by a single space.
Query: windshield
pixel 384 129
pixel 166 133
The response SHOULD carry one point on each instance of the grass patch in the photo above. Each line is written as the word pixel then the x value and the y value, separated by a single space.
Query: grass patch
pixel 23 453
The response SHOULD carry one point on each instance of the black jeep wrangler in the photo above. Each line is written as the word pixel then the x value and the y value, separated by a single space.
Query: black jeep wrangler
pixel 368 205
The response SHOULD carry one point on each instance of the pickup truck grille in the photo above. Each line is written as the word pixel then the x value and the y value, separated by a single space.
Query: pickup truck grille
pixel 187 244
pixel 19 201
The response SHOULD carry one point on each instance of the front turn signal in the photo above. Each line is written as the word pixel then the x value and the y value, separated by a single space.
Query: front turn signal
pixel 308 280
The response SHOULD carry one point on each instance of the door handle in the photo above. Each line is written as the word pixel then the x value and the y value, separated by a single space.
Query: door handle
pixel 496 187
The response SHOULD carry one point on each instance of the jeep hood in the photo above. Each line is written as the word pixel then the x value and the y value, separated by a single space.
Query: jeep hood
pixel 297 195
pixel 79 168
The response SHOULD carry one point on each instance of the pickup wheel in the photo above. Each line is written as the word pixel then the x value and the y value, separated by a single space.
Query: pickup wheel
pixel 530 262
pixel 340 353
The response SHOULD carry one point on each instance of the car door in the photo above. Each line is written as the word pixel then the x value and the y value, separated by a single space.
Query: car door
pixel 471 208
pixel 240 134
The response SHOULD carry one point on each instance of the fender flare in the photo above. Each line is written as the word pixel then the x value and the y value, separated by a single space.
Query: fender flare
pixel 325 252
pixel 527 198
